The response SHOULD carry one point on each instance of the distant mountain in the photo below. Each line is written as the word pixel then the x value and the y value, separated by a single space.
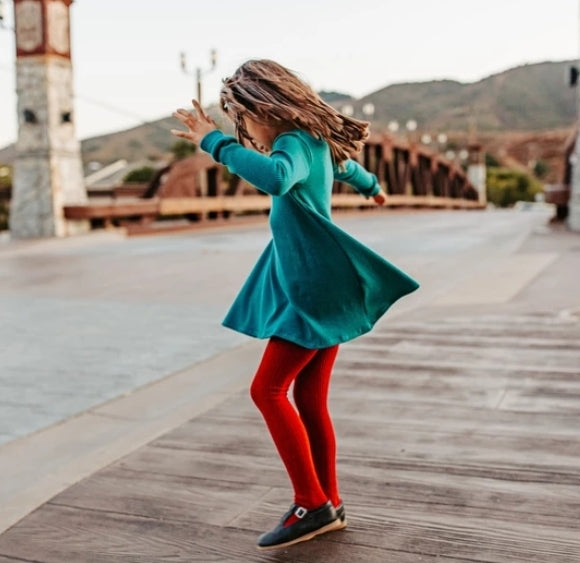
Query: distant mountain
pixel 526 98
pixel 529 97
pixel 330 96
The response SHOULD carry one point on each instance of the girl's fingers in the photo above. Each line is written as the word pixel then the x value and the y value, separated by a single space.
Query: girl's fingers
pixel 185 117
pixel 199 110
pixel 181 117
pixel 182 134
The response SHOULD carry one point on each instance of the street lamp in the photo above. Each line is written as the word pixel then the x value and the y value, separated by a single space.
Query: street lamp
pixel 347 110
pixel 199 73
pixel 441 141
pixel 369 110
pixel 393 126
pixel 411 127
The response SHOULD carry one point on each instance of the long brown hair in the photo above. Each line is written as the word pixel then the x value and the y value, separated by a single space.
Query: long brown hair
pixel 271 94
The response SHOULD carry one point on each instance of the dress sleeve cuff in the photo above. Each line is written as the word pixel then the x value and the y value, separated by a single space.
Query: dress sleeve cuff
pixel 372 190
pixel 213 141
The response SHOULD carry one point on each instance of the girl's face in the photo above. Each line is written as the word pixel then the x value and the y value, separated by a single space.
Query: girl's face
pixel 262 133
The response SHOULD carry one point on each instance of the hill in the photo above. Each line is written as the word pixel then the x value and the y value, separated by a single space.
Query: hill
pixel 529 97
pixel 526 98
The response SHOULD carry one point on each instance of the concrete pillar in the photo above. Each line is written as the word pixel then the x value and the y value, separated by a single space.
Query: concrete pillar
pixel 476 172
pixel 48 168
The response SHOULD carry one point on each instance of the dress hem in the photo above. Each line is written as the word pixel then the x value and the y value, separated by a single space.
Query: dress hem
pixel 310 345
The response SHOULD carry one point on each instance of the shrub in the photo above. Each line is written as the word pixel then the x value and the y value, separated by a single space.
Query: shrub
pixel 141 175
pixel 505 186
pixel 541 169
pixel 182 149
pixel 3 216
pixel 491 161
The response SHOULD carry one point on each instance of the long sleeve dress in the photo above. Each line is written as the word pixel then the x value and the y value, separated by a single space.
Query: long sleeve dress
pixel 314 284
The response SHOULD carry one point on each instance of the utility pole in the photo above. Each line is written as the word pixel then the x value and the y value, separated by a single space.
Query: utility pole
pixel 199 73
pixel 574 201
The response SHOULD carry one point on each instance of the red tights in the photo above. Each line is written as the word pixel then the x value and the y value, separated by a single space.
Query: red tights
pixel 304 436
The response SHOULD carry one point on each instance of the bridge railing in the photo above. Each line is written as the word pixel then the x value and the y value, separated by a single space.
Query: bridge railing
pixel 197 187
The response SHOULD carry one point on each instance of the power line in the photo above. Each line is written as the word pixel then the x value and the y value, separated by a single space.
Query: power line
pixel 110 107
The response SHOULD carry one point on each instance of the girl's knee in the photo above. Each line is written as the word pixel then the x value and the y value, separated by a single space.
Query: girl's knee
pixel 261 392
pixel 256 392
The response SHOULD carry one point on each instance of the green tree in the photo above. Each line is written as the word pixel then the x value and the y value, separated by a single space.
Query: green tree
pixel 3 216
pixel 505 187
pixel 491 161
pixel 541 169
pixel 141 175
pixel 5 187
pixel 182 149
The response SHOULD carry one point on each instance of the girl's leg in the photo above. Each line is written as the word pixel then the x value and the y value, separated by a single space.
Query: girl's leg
pixel 281 363
pixel 311 398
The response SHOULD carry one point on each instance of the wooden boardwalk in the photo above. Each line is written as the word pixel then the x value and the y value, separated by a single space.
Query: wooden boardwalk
pixel 459 441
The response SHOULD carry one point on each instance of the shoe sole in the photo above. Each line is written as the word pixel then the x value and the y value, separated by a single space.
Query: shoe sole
pixel 336 525
pixel 342 524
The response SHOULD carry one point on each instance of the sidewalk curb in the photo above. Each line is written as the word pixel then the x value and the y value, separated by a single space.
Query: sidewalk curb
pixel 37 467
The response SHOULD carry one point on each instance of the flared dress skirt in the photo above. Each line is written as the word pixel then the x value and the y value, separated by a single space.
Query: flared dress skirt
pixel 314 284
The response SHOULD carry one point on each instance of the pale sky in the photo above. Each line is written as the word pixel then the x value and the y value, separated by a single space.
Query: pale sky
pixel 126 52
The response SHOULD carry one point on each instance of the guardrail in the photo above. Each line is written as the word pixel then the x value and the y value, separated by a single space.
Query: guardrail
pixel 198 188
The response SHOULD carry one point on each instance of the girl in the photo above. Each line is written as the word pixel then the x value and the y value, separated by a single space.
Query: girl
pixel 314 286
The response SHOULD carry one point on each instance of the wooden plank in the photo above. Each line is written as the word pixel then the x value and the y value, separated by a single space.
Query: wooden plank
pixel 438 459
pixel 198 500
pixel 112 209
pixel 379 522
pixel 180 206
pixel 409 479
pixel 69 534
pixel 155 207
pixel 490 449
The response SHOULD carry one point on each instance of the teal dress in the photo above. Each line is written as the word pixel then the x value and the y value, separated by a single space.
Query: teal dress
pixel 314 284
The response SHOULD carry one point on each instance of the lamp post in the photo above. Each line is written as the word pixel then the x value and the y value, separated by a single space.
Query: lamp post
pixel 199 73
pixel 411 127
pixel 574 201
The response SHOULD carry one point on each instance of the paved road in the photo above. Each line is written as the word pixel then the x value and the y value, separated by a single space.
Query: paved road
pixel 88 319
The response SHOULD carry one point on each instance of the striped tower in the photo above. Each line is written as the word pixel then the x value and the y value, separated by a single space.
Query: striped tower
pixel 48 170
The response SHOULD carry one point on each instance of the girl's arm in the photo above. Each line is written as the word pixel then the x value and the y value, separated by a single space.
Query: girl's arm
pixel 288 163
pixel 360 179
pixel 276 173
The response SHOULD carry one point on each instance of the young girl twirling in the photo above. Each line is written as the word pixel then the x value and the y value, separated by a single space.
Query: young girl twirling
pixel 314 286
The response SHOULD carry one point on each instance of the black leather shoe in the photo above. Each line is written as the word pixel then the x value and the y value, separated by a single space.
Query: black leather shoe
pixel 305 525
pixel 341 515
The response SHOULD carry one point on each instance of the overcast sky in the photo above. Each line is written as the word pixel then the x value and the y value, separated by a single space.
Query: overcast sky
pixel 126 52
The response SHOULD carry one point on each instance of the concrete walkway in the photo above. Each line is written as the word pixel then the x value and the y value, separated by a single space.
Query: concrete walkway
pixel 455 421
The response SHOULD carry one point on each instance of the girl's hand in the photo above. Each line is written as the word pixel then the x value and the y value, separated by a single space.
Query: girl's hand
pixel 380 198
pixel 198 123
